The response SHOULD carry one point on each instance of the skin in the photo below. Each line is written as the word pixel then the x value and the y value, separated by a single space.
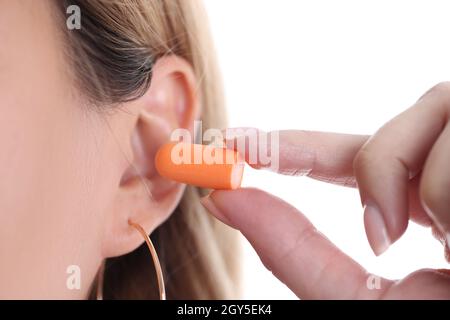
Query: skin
pixel 72 178
pixel 402 170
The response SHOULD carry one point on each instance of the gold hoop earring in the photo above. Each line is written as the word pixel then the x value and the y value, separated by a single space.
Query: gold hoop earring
pixel 151 248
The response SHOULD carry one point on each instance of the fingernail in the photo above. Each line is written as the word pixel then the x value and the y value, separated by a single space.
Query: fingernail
pixel 376 229
pixel 209 204
pixel 444 271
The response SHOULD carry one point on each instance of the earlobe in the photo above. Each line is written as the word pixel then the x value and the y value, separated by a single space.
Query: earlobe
pixel 142 195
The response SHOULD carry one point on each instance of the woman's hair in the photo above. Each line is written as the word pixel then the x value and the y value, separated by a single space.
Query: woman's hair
pixel 112 57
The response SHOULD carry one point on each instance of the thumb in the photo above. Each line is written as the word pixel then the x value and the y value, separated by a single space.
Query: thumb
pixel 289 245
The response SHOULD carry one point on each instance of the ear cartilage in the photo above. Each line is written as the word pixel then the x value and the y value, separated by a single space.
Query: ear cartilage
pixel 200 165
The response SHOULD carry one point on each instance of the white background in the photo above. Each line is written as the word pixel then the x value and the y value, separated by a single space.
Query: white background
pixel 343 66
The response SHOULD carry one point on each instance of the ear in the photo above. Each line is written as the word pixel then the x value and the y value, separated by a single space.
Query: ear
pixel 143 196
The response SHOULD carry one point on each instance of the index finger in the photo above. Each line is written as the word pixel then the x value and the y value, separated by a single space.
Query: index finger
pixel 323 156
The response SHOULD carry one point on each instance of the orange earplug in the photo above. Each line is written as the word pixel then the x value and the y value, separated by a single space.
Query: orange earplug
pixel 200 165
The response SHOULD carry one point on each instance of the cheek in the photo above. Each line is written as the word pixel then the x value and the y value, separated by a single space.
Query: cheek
pixel 50 198
pixel 55 167
pixel 54 182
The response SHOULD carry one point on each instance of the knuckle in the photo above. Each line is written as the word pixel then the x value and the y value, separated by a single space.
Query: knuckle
pixel 363 160
pixel 442 88
pixel 434 197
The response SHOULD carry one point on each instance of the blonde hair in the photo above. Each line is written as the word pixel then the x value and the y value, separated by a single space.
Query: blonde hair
pixel 112 57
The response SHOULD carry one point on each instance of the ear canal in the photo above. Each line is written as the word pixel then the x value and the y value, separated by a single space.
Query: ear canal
pixel 151 132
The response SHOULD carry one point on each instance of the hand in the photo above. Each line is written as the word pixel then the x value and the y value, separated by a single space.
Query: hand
pixel 402 172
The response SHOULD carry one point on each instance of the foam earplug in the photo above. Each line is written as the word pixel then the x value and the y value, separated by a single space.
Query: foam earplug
pixel 200 165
